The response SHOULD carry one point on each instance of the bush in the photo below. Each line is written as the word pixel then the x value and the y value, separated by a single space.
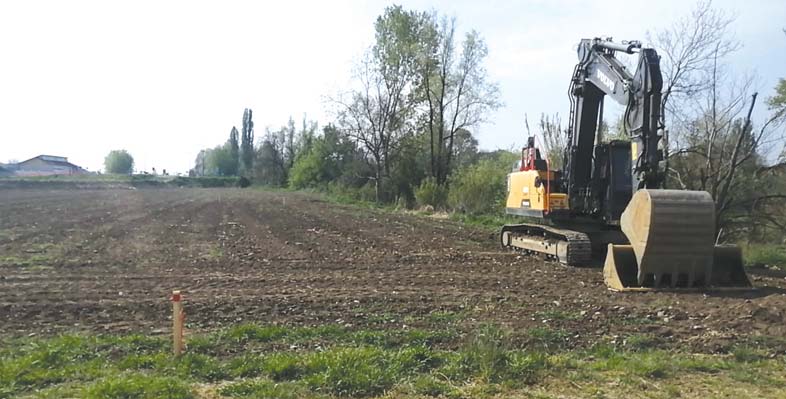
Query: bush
pixel 430 193
pixel 765 255
pixel 479 188
pixel 348 193
pixel 119 162
pixel 310 169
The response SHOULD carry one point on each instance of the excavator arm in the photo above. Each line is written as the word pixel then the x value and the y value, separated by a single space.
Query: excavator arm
pixel 671 232
pixel 597 75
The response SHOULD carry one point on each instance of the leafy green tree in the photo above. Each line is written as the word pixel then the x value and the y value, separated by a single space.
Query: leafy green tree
pixel 777 102
pixel 234 151
pixel 409 170
pixel 220 162
pixel 777 105
pixel 269 167
pixel 324 161
pixel 247 143
pixel 379 113
pixel 119 161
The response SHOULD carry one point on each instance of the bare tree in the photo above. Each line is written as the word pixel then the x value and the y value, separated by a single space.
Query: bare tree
pixel 689 47
pixel 555 139
pixel 713 145
pixel 371 116
pixel 455 87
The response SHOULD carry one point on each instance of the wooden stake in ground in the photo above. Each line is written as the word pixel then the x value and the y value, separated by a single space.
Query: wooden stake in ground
pixel 177 323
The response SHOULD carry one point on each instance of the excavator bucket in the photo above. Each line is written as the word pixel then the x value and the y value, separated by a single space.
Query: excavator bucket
pixel 671 234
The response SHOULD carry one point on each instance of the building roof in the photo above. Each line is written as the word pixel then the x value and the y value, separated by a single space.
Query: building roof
pixel 53 160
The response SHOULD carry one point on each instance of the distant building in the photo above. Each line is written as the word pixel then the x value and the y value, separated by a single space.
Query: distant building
pixel 46 165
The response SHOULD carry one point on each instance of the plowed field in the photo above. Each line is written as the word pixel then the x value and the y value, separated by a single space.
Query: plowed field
pixel 106 260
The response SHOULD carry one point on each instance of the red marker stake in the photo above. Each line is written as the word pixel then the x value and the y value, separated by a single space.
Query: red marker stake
pixel 178 317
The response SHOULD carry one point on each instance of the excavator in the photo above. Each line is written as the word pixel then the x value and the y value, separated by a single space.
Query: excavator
pixel 609 196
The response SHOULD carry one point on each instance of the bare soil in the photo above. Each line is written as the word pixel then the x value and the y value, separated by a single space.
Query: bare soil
pixel 107 260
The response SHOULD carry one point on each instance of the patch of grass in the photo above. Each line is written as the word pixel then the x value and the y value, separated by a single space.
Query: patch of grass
pixel 282 366
pixel 247 361
pixel 14 261
pixel 198 366
pixel 135 385
pixel 641 342
pixel 486 355
pixel 356 372
pixel 37 364
pixel 248 365
pixel 215 253
pixel 747 354
pixel 651 364
pixel 265 389
pixel 444 317
pixel 770 255
pixel 489 222
pixel 545 338
pixel 253 332
pixel 430 385
pixel 487 358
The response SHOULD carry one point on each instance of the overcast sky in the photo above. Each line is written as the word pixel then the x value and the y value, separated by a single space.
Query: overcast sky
pixel 164 79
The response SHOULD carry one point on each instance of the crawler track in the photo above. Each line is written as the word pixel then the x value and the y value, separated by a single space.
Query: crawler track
pixel 569 247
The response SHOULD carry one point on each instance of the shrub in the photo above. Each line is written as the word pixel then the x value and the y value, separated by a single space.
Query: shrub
pixel 765 254
pixel 430 193
pixel 349 193
pixel 243 182
pixel 479 188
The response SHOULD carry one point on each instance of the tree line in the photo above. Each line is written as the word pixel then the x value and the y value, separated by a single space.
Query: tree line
pixel 403 131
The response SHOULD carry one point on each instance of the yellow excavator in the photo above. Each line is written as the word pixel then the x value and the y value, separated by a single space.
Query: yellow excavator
pixel 608 196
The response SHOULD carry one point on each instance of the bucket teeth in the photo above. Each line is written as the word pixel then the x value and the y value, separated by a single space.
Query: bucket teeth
pixel 672 246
